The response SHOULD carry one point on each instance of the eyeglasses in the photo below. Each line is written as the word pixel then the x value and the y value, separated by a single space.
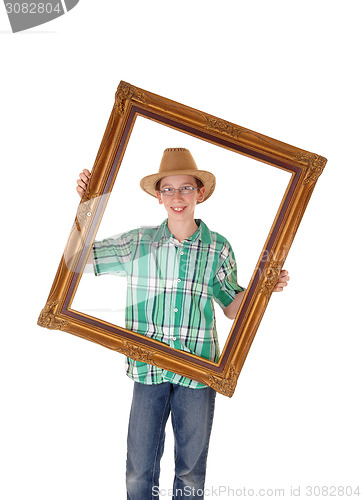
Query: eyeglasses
pixel 181 190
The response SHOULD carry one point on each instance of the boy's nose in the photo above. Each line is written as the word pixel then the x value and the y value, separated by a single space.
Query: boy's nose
pixel 177 195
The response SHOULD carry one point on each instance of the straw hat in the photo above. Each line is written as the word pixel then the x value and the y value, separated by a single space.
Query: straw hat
pixel 178 161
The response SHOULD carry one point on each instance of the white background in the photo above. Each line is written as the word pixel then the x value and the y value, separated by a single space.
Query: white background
pixel 285 69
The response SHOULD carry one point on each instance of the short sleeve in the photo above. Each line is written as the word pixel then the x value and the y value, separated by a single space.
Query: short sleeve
pixel 113 255
pixel 225 285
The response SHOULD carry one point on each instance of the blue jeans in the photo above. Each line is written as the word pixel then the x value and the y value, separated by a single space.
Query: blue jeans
pixel 192 413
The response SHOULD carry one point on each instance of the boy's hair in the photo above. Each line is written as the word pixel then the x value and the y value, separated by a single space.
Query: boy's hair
pixel 198 182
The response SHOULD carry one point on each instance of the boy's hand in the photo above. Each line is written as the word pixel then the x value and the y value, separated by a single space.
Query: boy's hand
pixel 83 182
pixel 282 281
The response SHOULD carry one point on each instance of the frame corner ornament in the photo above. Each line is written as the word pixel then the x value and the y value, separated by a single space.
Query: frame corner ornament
pixel 125 92
pixel 48 317
pixel 225 384
pixel 315 165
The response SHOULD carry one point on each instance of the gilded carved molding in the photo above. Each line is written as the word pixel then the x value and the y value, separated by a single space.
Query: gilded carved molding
pixel 271 277
pixel 226 385
pixel 126 92
pixel 48 317
pixel 84 210
pixel 315 165
pixel 136 353
pixel 224 127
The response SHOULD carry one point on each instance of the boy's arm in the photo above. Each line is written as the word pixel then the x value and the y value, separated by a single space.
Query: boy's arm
pixel 231 310
pixel 69 252
pixel 82 184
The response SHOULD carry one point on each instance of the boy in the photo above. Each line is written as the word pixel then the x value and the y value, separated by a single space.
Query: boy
pixel 174 273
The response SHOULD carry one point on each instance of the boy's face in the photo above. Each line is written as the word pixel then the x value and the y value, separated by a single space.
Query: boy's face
pixel 178 206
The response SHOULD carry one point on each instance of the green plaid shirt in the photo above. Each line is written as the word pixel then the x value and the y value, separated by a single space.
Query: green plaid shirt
pixel 170 290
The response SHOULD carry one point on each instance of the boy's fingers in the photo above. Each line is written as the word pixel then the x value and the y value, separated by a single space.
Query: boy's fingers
pixel 83 182
pixel 83 177
pixel 280 284
pixel 282 281
pixel 278 288
pixel 284 276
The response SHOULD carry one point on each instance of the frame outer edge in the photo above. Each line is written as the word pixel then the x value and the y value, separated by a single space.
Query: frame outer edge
pixel 127 96
pixel 203 122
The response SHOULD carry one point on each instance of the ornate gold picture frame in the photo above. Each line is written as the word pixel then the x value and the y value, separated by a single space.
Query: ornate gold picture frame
pixel 304 169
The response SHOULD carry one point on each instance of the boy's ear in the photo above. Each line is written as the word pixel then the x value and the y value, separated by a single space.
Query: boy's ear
pixel 201 193
pixel 159 197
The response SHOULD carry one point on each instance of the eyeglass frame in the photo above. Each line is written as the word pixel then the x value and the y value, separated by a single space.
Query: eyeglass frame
pixel 173 190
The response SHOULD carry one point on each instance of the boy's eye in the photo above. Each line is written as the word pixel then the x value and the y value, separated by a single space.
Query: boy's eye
pixel 181 190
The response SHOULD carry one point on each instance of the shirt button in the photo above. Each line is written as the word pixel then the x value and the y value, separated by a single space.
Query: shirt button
pixel 175 310
pixel 174 338
pixel 181 253
pixel 178 281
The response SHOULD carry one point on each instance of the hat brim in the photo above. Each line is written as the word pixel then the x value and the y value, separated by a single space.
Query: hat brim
pixel 149 182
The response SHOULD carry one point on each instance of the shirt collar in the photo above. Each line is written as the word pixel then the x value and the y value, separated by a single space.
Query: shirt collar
pixel 203 233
